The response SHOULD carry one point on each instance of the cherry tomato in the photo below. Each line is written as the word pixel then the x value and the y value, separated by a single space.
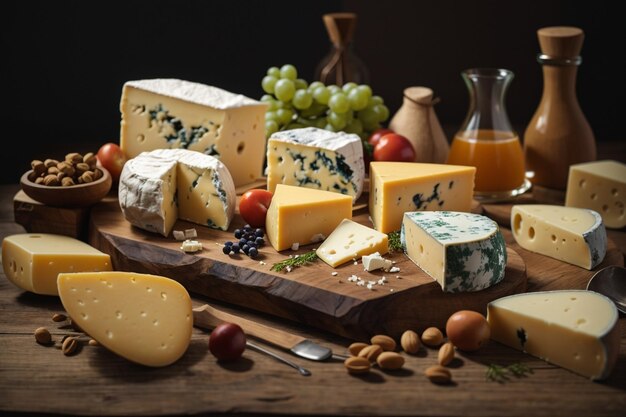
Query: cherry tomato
pixel 227 342
pixel 253 207
pixel 377 134
pixel 112 158
pixel 468 330
pixel 394 147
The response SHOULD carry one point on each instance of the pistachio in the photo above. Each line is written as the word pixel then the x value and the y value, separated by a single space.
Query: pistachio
pixel 32 176
pixel 97 174
pixel 67 182
pixel 39 180
pixel 38 167
pixel 370 352
pixel 385 342
pixel 70 346
pixel 446 354
pixel 81 167
pixel 390 360
pixel 356 347
pixel 53 171
pixel 87 177
pixel 432 337
pixel 58 317
pixel 410 342
pixel 43 336
pixel 438 374
pixel 357 365
pixel 90 159
pixel 74 158
pixel 51 180
pixel 66 168
pixel 50 163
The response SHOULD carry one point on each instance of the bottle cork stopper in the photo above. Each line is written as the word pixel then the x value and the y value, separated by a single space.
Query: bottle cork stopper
pixel 340 27
pixel 561 41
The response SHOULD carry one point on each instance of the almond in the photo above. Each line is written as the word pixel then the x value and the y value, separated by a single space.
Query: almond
pixel 446 354
pixel 357 365
pixel 410 342
pixel 43 336
pixel 432 337
pixel 385 342
pixel 58 317
pixel 438 374
pixel 370 352
pixel 390 361
pixel 356 347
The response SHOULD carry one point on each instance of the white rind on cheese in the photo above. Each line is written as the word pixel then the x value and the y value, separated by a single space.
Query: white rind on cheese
pixel 461 251
pixel 350 241
pixel 170 113
pixel 569 234
pixel 32 261
pixel 316 158
pixel 156 188
pixel 575 329
pixel 146 319
pixel 599 186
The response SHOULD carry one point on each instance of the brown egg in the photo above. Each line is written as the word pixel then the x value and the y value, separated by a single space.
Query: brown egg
pixel 468 330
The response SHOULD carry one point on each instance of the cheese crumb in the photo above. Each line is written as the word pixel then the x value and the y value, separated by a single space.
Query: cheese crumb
pixel 317 238
pixel 190 246
pixel 394 269
pixel 295 246
pixel 356 262
pixel 178 235
pixel 334 273
pixel 390 289
pixel 370 286
pixel 289 268
pixel 262 263
pixel 190 233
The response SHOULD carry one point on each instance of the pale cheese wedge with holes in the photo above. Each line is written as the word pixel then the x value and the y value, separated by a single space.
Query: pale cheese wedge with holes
pixel 146 319
pixel 573 235
pixel 350 241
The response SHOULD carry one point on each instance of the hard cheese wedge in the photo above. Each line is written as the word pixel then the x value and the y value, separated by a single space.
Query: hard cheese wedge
pixel 316 158
pixel 461 251
pixel 158 187
pixel 600 186
pixel 32 261
pixel 569 234
pixel 398 187
pixel 302 215
pixel 577 330
pixel 350 241
pixel 146 319
pixel 170 113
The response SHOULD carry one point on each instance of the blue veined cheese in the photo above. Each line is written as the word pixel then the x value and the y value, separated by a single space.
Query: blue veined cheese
pixel 159 187
pixel 316 158
pixel 461 251
pixel 171 113
pixel 569 234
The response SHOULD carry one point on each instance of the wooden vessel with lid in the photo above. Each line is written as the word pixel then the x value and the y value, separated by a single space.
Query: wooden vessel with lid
pixel 558 134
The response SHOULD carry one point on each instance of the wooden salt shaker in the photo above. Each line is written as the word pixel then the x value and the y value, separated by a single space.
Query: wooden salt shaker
pixel 416 120
pixel 558 134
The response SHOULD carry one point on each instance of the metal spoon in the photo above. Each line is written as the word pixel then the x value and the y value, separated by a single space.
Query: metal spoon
pixel 611 282
pixel 303 371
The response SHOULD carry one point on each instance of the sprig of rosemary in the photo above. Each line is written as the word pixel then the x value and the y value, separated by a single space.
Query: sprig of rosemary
pixel 394 241
pixel 500 374
pixel 296 261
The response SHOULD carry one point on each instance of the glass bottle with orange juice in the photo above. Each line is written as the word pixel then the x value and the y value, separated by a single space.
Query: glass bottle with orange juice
pixel 486 139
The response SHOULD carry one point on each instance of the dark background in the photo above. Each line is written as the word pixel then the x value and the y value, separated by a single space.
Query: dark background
pixel 64 63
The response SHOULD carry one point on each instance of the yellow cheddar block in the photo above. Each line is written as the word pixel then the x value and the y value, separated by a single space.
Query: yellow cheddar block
pixel 304 215
pixel 399 187
pixel 32 261
pixel 146 319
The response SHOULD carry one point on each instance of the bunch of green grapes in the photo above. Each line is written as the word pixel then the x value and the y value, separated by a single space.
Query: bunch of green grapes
pixel 293 103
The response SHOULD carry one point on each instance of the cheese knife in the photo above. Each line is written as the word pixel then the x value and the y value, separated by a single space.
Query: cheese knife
pixel 209 317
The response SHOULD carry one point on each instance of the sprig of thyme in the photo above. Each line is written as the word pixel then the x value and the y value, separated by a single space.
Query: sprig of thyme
pixel 394 241
pixel 500 374
pixel 296 261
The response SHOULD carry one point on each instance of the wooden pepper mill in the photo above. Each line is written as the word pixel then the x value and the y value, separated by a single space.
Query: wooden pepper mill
pixel 558 134
pixel 416 120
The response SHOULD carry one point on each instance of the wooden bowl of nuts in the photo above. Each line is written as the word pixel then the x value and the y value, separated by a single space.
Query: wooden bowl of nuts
pixel 76 181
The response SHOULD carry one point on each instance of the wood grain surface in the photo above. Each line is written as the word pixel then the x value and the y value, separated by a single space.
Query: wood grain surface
pixel 36 379
pixel 309 295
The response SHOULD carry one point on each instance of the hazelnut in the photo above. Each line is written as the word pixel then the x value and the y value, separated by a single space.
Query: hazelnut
pixel 67 181
pixel 51 180
pixel 38 167
pixel 87 176
pixel 74 158
pixel 50 163
pixel 90 159
pixel 81 168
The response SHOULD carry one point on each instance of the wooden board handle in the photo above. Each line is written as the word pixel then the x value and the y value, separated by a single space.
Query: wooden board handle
pixel 209 317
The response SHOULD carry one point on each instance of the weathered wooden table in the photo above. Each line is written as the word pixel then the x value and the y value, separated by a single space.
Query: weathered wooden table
pixel 38 379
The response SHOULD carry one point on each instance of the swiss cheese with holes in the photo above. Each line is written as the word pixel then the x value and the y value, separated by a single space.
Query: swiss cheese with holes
pixel 144 318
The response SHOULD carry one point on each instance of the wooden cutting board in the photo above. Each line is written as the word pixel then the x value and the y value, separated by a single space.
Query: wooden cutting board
pixel 311 295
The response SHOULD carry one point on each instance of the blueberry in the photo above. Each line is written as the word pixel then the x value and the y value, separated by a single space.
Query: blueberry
pixel 226 249
pixel 242 242
pixel 245 249
pixel 247 228
pixel 253 252
pixel 228 243
pixel 238 233
pixel 259 232
pixel 259 241
pixel 251 244
pixel 235 248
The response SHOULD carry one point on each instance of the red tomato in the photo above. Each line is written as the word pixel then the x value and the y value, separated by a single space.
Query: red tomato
pixel 112 158
pixel 394 147
pixel 468 330
pixel 377 134
pixel 227 342
pixel 253 207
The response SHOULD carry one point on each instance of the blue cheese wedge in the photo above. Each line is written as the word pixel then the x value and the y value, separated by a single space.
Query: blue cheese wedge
pixel 573 235
pixel 171 113
pixel 461 251
pixel 157 188
pixel 316 158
